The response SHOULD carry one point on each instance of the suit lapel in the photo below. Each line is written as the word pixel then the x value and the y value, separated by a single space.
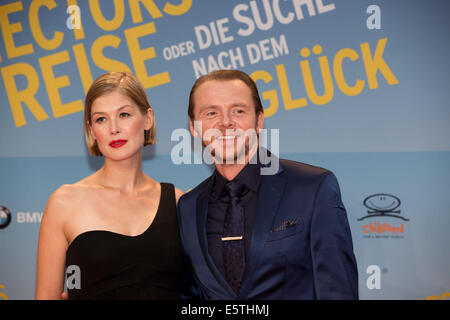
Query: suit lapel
pixel 213 278
pixel 269 197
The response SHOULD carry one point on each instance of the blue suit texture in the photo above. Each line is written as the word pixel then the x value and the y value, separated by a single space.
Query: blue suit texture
pixel 301 245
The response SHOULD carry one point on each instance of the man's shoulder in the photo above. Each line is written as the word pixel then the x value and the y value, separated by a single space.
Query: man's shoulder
pixel 308 177
pixel 291 168
pixel 300 169
pixel 306 174
pixel 193 194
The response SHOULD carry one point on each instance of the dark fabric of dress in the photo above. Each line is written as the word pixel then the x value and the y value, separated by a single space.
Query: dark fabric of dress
pixel 116 266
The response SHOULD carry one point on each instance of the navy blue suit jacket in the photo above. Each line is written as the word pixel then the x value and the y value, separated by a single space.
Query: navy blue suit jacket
pixel 301 246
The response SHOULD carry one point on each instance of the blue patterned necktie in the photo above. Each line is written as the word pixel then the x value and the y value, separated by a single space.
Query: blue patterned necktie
pixel 233 237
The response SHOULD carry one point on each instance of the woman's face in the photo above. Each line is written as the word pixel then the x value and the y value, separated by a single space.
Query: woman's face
pixel 118 125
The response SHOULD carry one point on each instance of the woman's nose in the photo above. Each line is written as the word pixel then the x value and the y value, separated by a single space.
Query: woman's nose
pixel 114 127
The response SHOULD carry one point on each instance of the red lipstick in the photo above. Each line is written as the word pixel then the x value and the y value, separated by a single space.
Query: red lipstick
pixel 117 143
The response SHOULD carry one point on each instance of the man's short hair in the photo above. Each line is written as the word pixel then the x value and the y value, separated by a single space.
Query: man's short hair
pixel 226 75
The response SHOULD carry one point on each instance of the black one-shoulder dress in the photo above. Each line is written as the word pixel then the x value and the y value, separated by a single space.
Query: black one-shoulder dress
pixel 110 265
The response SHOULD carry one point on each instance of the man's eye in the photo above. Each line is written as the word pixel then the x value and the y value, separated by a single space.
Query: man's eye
pixel 210 113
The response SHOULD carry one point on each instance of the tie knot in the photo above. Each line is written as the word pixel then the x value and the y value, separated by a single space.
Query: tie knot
pixel 234 188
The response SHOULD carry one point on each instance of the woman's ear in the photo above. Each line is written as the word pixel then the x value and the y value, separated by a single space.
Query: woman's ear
pixel 91 132
pixel 149 119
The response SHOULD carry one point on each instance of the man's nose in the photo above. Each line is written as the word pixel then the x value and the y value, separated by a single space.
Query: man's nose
pixel 227 120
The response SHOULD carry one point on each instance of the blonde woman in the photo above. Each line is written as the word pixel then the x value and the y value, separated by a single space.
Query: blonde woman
pixel 116 230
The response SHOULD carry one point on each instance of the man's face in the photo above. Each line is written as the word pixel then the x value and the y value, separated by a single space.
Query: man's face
pixel 228 120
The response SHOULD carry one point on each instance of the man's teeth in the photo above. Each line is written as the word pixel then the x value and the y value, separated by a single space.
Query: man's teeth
pixel 227 137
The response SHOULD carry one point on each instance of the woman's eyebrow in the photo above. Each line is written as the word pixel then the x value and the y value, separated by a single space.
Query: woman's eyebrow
pixel 122 107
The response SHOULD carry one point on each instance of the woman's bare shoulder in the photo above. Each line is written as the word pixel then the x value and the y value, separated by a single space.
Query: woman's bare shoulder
pixel 178 194
pixel 67 198
pixel 68 193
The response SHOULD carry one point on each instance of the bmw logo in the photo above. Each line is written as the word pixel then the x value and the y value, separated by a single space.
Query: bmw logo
pixel 5 217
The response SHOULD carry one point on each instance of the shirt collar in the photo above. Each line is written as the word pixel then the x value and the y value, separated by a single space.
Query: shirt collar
pixel 249 176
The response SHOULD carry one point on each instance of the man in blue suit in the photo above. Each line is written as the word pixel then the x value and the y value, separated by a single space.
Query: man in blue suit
pixel 260 227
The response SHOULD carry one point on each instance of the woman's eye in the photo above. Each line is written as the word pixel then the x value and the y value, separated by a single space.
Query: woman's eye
pixel 100 119
pixel 124 115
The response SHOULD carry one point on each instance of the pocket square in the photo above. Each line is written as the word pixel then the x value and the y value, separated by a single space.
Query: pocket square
pixel 286 224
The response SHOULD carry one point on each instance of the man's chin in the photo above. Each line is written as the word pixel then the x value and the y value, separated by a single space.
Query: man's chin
pixel 230 157
pixel 231 154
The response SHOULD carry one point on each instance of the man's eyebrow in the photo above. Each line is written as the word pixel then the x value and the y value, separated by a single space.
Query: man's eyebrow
pixel 240 104
pixel 237 104
pixel 208 107
pixel 122 107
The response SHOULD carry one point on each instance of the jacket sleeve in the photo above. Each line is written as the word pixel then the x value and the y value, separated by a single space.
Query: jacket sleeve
pixel 334 263
pixel 188 283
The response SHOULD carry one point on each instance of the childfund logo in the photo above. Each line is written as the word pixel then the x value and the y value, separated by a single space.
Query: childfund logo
pixel 383 206
pixel 379 228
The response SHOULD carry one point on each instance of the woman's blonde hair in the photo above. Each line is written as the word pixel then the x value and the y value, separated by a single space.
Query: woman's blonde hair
pixel 128 85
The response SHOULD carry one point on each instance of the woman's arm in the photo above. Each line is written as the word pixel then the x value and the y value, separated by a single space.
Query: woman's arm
pixel 52 246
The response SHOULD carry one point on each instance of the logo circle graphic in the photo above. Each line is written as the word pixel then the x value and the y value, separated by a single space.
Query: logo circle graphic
pixel 5 217
pixel 382 203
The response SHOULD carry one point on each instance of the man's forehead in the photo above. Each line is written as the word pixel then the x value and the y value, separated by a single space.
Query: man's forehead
pixel 212 90
pixel 238 83
pixel 230 105
pixel 212 95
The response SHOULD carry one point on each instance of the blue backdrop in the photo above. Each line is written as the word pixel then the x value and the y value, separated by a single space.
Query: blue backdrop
pixel 358 87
